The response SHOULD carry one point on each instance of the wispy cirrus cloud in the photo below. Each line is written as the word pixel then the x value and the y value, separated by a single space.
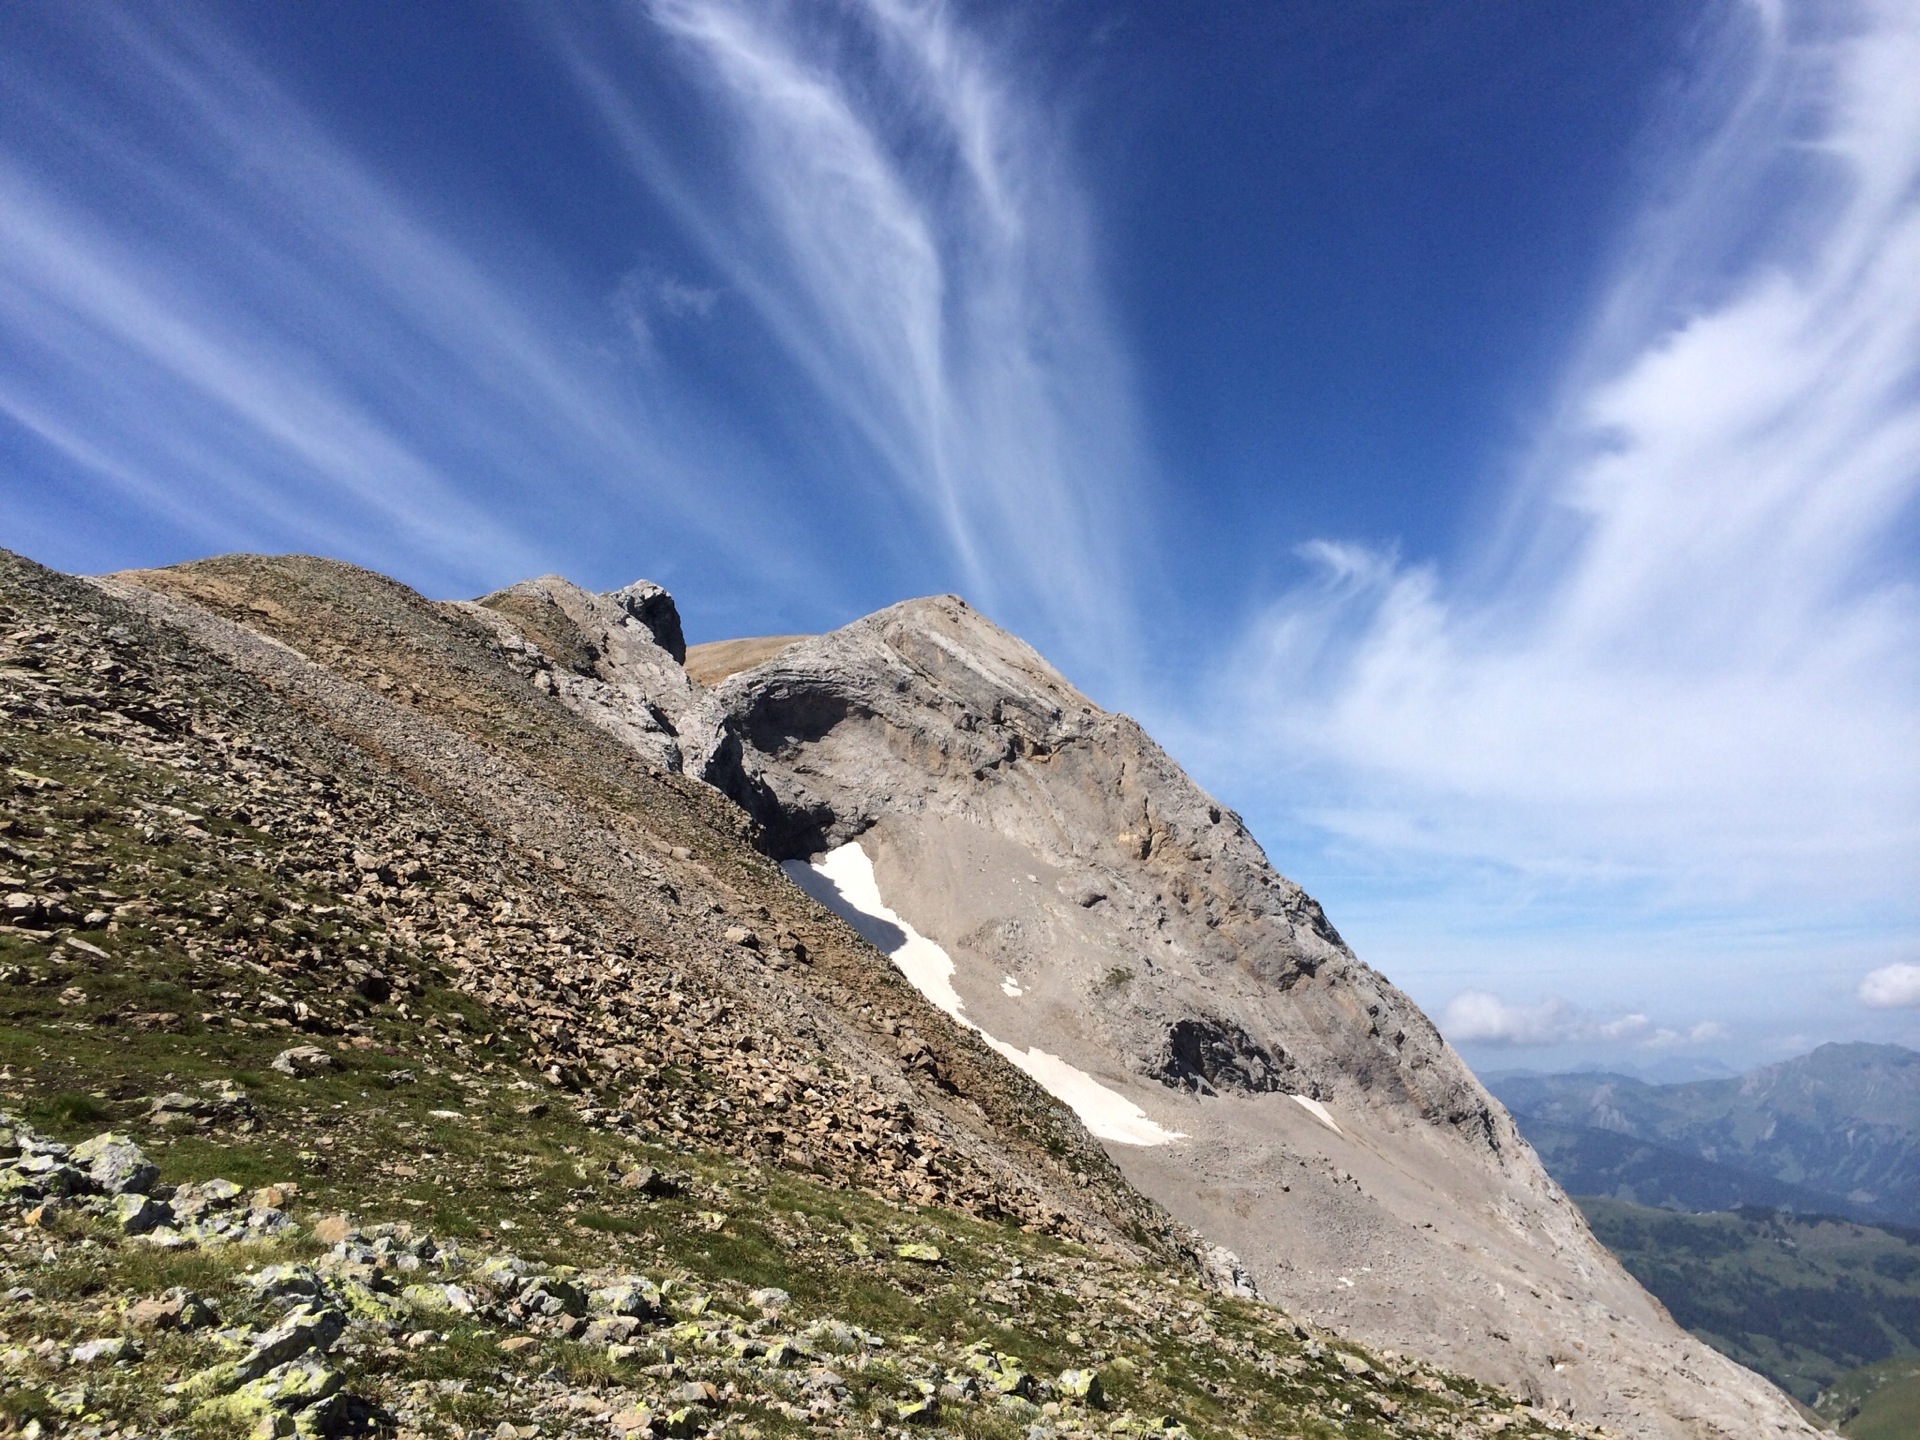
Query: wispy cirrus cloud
pixel 1689 660
pixel 236 324
pixel 900 219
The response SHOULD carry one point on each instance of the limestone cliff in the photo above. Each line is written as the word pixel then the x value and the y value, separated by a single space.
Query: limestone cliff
pixel 1097 906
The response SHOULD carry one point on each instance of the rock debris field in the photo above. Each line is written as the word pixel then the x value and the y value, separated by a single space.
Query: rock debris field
pixel 386 1051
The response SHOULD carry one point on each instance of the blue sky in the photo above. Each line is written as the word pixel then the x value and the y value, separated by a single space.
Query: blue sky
pixel 1480 441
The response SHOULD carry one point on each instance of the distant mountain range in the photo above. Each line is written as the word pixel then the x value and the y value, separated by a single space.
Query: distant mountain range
pixel 1836 1131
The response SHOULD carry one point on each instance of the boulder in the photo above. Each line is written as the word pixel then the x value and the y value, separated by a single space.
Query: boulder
pixel 137 1214
pixel 116 1164
pixel 636 1298
pixel 304 1060
pixel 1081 1385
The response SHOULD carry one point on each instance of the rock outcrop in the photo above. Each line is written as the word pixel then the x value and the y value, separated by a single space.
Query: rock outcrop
pixel 1098 906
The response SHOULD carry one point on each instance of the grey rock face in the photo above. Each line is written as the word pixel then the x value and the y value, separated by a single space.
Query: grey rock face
pixel 1099 906
pixel 116 1164
pixel 653 607
pixel 615 659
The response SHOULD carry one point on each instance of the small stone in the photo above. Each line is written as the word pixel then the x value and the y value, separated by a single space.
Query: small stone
pixel 743 937
pixel 923 1410
pixel 625 1422
pixel 918 1252
pixel 517 1344
pixel 770 1301
pixel 304 1060
pixel 105 1352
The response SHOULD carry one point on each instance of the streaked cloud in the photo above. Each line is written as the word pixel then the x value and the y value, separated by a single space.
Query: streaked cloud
pixel 1689 661
pixel 239 324
pixel 898 215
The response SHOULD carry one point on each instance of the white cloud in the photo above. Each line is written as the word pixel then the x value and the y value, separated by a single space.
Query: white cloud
pixel 1891 987
pixel 1690 658
pixel 898 215
pixel 1477 1017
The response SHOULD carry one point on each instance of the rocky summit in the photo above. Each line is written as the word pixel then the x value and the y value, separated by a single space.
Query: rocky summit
pixel 501 1019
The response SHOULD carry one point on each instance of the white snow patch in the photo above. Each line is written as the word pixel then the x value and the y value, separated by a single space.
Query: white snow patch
pixel 1319 1112
pixel 1011 986
pixel 842 880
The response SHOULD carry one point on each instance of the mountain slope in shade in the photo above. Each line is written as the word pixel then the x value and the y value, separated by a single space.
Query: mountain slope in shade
pixel 1590 1162
pixel 1838 1128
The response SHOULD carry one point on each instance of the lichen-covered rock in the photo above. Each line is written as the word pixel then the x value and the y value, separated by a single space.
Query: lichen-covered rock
pixel 136 1214
pixel 306 1327
pixel 116 1165
pixel 437 1298
pixel 684 1422
pixel 48 1173
pixel 285 1282
pixel 192 1201
pixel 1081 1385
pixel 301 1398
pixel 633 1295
pixel 920 1410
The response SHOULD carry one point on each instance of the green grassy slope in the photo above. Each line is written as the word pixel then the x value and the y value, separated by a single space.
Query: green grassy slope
pixel 1876 1402
pixel 1802 1300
